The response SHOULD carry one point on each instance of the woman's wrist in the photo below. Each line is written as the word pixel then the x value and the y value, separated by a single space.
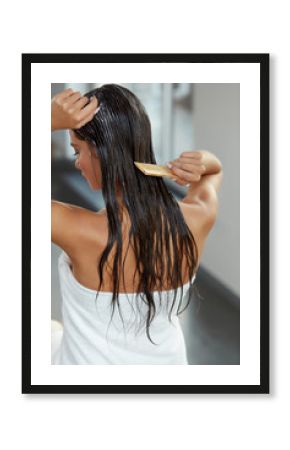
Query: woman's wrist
pixel 211 163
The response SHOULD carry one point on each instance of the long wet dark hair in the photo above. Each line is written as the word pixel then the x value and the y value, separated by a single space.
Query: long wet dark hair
pixel 120 133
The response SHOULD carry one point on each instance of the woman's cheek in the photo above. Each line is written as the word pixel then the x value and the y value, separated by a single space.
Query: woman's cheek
pixel 98 175
pixel 95 180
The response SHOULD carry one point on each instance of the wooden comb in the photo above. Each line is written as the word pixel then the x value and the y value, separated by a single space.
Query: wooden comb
pixel 154 170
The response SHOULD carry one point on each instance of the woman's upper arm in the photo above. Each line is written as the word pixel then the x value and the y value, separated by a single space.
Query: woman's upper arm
pixel 202 199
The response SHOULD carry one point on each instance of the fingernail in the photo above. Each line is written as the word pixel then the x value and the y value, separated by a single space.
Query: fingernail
pixel 97 109
pixel 169 165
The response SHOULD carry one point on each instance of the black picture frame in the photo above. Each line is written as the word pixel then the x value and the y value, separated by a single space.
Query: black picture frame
pixel 233 58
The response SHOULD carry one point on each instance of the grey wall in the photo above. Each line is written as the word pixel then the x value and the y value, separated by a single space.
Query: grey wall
pixel 216 123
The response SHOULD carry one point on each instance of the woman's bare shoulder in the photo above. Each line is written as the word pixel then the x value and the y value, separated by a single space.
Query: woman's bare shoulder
pixel 197 222
pixel 90 225
pixel 80 209
pixel 94 224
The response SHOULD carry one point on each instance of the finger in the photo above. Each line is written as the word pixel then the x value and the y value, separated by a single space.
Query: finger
pixel 89 109
pixel 64 94
pixel 183 159
pixel 189 167
pixel 186 176
pixel 85 121
pixel 74 97
pixel 179 181
pixel 194 154
pixel 80 103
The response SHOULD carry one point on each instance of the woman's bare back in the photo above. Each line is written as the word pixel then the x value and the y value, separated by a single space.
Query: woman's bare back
pixel 95 236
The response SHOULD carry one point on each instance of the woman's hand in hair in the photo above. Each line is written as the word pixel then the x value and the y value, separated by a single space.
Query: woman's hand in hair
pixel 71 110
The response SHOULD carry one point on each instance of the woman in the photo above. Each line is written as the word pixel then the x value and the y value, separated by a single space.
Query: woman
pixel 126 271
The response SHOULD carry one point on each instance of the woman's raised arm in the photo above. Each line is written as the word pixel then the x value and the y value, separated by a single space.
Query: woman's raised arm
pixel 201 171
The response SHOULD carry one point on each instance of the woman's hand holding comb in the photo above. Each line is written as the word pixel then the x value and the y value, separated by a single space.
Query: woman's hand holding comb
pixel 188 168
